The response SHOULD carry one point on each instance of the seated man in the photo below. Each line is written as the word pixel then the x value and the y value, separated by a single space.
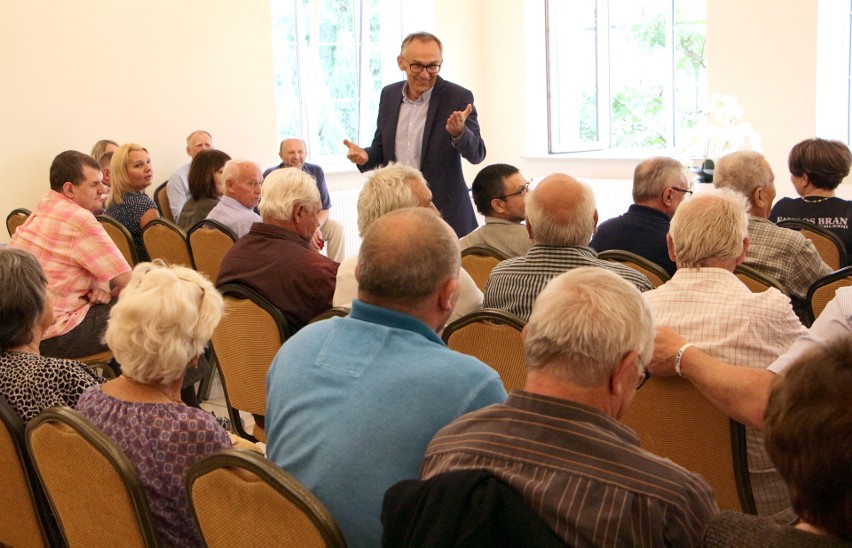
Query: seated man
pixel 561 218
pixel 710 306
pixel 659 186
pixel 292 153
pixel 242 181
pixel 104 162
pixel 780 253
pixel 387 189
pixel 499 192
pixel 275 258
pixel 558 442
pixel 809 437
pixel 85 270
pixel 352 402
pixel 177 188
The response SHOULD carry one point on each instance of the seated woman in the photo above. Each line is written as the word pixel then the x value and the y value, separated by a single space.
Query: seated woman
pixel 809 438
pixel 29 382
pixel 156 331
pixel 131 174
pixel 205 185
pixel 817 166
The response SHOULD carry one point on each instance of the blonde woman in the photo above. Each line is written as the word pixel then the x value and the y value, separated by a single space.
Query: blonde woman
pixel 131 173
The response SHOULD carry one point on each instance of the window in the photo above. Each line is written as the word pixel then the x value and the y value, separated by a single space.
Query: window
pixel 624 73
pixel 331 59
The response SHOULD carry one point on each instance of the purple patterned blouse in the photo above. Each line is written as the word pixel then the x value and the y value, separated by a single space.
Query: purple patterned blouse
pixel 162 440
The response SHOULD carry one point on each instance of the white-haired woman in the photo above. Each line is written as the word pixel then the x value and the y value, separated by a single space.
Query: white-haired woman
pixel 29 382
pixel 157 330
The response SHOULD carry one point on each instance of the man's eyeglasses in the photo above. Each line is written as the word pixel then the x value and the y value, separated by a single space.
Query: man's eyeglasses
pixel 524 189
pixel 686 191
pixel 417 68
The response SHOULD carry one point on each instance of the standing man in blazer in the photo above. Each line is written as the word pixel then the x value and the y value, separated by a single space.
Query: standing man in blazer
pixel 427 123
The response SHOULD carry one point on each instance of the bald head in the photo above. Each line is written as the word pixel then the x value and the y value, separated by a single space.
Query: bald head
pixel 561 212
pixel 406 256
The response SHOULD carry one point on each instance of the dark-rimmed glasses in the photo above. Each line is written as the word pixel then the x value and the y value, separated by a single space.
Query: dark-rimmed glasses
pixel 688 192
pixel 524 189
pixel 417 68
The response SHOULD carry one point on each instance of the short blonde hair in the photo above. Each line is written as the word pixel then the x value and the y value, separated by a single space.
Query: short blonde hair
pixel 710 225
pixel 118 173
pixel 584 322
pixel 162 320
pixel 284 190
pixel 387 189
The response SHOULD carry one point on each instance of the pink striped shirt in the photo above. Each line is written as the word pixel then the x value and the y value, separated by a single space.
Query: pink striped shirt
pixel 75 253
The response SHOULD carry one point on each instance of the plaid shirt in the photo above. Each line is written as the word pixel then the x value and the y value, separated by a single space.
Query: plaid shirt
pixel 711 308
pixel 784 255
pixel 515 283
pixel 75 253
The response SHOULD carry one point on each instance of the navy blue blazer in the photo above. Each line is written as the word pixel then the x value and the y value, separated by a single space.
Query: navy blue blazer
pixel 440 158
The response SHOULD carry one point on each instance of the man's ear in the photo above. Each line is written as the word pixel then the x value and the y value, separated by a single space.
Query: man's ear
pixel 68 189
pixel 670 246
pixel 400 62
pixel 498 205
pixel 447 294
pixel 529 227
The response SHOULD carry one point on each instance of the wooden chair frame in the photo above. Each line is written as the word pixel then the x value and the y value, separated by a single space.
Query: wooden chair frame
pixel 820 238
pixel 161 198
pixel 288 487
pixel 16 218
pixel 121 237
pixel 148 235
pixel 38 504
pixel 656 274
pixel 822 291
pixel 478 260
pixel 123 468
pixel 511 379
pixel 756 281
pixel 241 292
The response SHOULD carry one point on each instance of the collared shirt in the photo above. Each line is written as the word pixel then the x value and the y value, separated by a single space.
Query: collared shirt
pixel 234 215
pixel 834 322
pixel 581 470
pixel 346 290
pixel 712 309
pixel 75 253
pixel 784 255
pixel 642 230
pixel 409 128
pixel 281 266
pixel 515 283
pixel 352 403
pixel 177 189
pixel 503 235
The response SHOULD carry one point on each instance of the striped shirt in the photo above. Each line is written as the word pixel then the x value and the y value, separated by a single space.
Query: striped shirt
pixel 75 253
pixel 712 309
pixel 515 283
pixel 580 469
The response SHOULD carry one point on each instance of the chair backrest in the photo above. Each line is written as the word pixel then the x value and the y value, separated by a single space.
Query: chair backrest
pixel 161 197
pixel 822 290
pixel 121 237
pixel 16 218
pixel 756 281
pixel 239 498
pixel 209 242
pixel 333 312
pixel 654 272
pixel 674 420
pixel 165 240
pixel 479 261
pixel 828 244
pixel 246 340
pixel 25 518
pixel 494 337
pixel 93 489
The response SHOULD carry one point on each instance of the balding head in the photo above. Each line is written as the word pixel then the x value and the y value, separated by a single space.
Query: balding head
pixel 561 212
pixel 242 179
pixel 406 261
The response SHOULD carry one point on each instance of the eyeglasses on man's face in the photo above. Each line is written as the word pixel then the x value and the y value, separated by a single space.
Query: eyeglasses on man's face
pixel 417 68
pixel 687 191
pixel 524 189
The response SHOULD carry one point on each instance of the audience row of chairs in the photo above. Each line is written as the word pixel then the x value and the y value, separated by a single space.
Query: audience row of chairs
pixel 64 480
